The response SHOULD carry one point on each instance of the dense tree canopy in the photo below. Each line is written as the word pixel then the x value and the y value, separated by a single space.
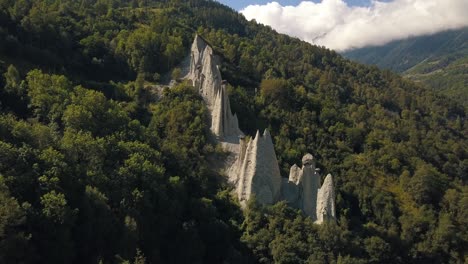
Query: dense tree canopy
pixel 99 164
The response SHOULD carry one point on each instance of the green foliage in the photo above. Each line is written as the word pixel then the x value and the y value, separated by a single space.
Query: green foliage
pixel 12 81
pixel 276 90
pixel 91 111
pixel 97 178
pixel 54 206
pixel 103 167
pixel 176 74
pixel 13 241
pixel 11 213
pixel 279 234
pixel 427 185
pixel 139 47
pixel 48 95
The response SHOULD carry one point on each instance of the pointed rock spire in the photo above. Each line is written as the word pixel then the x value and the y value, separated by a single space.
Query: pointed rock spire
pixel 326 201
pixel 206 77
pixel 259 172
pixel 257 135
pixel 295 174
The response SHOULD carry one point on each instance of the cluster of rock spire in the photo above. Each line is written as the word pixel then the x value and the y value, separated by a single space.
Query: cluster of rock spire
pixel 252 166
pixel 302 190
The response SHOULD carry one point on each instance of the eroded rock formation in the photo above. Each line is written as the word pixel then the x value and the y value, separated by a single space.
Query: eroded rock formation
pixel 302 190
pixel 206 77
pixel 326 201
pixel 258 171
pixel 251 165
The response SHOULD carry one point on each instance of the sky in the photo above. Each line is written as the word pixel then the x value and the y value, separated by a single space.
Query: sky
pixel 241 4
pixel 347 24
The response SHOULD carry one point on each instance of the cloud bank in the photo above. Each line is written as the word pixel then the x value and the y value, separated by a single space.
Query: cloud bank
pixel 334 24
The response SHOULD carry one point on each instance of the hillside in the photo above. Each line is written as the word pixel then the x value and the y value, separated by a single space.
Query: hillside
pixel 438 61
pixel 98 167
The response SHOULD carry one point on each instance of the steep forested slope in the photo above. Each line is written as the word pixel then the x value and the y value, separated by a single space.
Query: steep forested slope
pixel 94 166
pixel 439 61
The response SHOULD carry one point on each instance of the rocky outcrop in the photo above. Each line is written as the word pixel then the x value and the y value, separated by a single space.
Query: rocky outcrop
pixel 224 124
pixel 206 77
pixel 251 164
pixel 302 190
pixel 326 201
pixel 259 173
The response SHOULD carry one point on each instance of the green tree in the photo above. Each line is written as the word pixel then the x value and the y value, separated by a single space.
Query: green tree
pixel 378 250
pixel 12 81
pixel 176 74
pixel 54 206
pixel 427 185
pixel 276 90
pixel 49 94
pixel 13 241
pixel 140 48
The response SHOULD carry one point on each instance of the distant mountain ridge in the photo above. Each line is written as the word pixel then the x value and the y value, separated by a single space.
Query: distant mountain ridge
pixel 439 61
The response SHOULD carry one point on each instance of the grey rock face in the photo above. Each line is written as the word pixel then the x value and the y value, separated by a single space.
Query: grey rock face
pixel 326 201
pixel 308 159
pixel 259 173
pixel 206 77
pixel 295 174
pixel 303 191
pixel 310 186
pixel 224 123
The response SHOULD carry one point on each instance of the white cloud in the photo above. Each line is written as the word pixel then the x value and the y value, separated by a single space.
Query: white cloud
pixel 334 24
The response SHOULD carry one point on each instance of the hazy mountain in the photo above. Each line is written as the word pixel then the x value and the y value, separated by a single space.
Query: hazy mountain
pixel 440 61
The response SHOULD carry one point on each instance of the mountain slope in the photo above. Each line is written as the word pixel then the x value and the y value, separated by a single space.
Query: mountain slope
pixel 97 167
pixel 438 61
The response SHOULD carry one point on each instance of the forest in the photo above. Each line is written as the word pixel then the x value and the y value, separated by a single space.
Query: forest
pixel 95 167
